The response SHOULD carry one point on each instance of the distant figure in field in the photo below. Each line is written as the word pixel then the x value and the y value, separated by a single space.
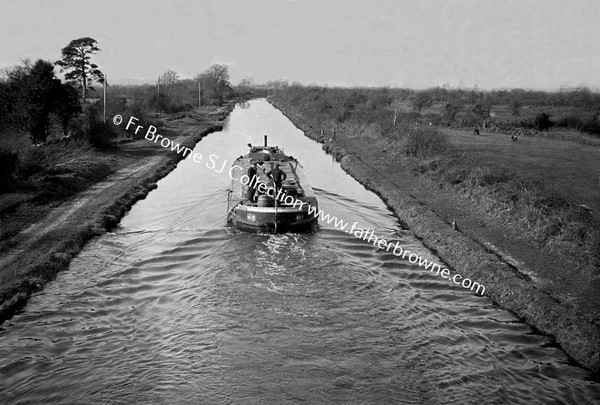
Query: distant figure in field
pixel 277 175
pixel 252 173
pixel 476 131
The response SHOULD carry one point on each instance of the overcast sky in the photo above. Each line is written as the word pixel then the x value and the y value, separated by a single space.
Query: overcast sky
pixel 491 44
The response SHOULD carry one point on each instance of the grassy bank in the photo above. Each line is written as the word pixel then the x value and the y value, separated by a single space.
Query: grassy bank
pixel 44 176
pixel 526 202
pixel 48 231
pixel 519 274
pixel 547 189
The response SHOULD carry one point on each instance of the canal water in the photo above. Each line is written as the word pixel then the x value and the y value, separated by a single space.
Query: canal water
pixel 174 307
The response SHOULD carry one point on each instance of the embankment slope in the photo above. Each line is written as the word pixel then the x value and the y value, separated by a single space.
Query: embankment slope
pixel 513 274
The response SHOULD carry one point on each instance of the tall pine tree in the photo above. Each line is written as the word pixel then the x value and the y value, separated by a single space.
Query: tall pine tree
pixel 76 60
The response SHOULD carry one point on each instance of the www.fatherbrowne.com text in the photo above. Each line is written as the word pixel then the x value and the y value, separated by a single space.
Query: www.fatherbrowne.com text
pixel 364 234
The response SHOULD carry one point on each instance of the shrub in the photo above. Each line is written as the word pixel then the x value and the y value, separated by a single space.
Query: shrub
pixel 592 126
pixel 550 199
pixel 97 133
pixel 58 170
pixel 100 135
pixel 423 141
pixel 570 121
pixel 456 174
pixel 8 163
pixel 407 117
pixel 543 122
pixel 366 115
pixel 31 162
pixel 450 112
pixel 355 99
pixel 164 103
pixel 490 176
pixel 433 119
pixel 468 119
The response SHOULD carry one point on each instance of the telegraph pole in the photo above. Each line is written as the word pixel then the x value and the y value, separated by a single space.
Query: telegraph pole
pixel 199 93
pixel 104 74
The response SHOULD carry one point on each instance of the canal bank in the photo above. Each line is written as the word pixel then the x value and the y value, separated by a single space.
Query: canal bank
pixel 475 251
pixel 45 247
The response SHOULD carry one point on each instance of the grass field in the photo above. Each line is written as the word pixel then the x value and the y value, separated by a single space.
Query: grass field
pixel 570 168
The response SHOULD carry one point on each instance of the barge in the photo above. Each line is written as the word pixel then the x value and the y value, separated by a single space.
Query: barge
pixel 263 199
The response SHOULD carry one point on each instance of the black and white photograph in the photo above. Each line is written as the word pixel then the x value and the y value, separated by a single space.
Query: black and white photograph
pixel 299 202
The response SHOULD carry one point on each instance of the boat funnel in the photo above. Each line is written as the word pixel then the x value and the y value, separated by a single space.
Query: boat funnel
pixel 265 141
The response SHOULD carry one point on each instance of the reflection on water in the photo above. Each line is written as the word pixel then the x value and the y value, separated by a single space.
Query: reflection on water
pixel 175 308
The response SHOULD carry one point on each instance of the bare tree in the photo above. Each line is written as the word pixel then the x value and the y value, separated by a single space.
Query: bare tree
pixel 219 72
pixel 221 75
pixel 399 97
pixel 451 111
pixel 214 81
pixel 482 110
pixel 168 79
pixel 422 100
pixel 245 84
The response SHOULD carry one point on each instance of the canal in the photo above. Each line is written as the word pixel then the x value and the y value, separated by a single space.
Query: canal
pixel 174 307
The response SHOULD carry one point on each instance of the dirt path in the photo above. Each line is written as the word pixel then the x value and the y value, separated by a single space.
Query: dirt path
pixel 45 246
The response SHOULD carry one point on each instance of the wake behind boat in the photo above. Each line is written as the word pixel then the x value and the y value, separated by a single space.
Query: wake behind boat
pixel 274 196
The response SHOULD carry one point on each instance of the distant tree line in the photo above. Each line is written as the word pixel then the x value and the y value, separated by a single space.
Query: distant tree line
pixel 387 107
pixel 171 93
